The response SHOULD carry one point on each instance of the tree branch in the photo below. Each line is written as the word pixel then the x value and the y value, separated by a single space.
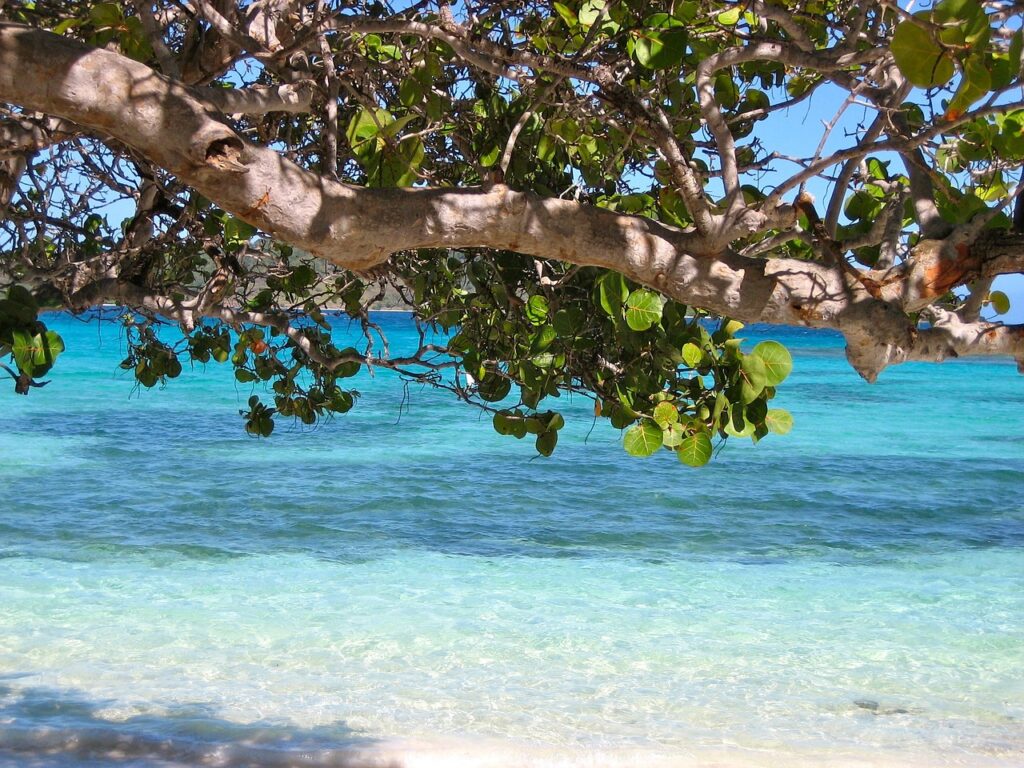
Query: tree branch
pixel 358 228
pixel 258 100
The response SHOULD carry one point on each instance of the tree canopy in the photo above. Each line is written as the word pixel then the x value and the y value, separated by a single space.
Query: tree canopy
pixel 581 196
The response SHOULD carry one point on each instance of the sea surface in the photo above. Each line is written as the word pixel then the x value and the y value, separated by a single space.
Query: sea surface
pixel 403 587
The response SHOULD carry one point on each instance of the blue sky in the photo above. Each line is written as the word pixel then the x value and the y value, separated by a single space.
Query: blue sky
pixel 798 131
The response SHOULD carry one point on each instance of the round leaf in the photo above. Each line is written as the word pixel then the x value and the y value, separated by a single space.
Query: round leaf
pixel 643 439
pixel 643 309
pixel 1000 302
pixel 779 421
pixel 665 414
pixel 537 310
pixel 659 48
pixel 754 376
pixel 494 388
pixel 695 450
pixel 777 362
pixel 546 442
pixel 920 57
pixel 692 355
pixel 502 422
pixel 672 435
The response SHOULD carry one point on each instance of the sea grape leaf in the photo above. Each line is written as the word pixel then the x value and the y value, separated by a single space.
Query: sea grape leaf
pixel 672 435
pixel 494 387
pixel 779 421
pixel 643 309
pixel 546 442
pixel 695 450
pixel 661 44
pixel 36 353
pixel 778 363
pixel 642 439
pixel 665 413
pixel 1000 302
pixel 537 310
pixel 919 56
pixel 692 355
pixel 754 377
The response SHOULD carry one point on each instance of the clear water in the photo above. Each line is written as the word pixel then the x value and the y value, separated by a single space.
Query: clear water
pixel 406 588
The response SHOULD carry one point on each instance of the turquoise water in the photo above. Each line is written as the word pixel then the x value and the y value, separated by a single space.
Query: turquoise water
pixel 403 587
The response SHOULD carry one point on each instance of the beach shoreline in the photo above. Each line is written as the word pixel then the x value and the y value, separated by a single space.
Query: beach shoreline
pixel 99 747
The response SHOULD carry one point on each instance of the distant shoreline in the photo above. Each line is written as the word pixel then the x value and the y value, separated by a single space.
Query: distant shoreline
pixel 327 309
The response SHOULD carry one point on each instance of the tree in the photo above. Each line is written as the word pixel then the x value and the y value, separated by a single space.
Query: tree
pixel 567 192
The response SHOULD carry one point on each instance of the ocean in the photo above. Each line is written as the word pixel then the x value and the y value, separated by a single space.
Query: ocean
pixel 401 586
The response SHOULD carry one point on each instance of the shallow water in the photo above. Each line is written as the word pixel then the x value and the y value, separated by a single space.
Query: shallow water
pixel 405 587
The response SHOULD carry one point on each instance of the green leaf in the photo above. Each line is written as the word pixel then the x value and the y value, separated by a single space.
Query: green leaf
pixel 19 307
pixel 238 231
pixel 612 292
pixel 504 421
pixel 920 57
pixel 957 10
pixel 778 363
pixel 21 295
pixel 568 322
pixel 731 328
pixel 341 402
pixel 642 439
pixel 67 24
pixel 410 93
pixel 494 387
pixel 1000 302
pixel 542 339
pixel 729 18
pixel 36 353
pixel 779 421
pixel 490 155
pixel 1016 48
pixel 363 129
pixel 695 450
pixel 660 48
pixel 590 11
pixel 546 442
pixel 975 83
pixel 568 16
pixel 643 309
pixel 756 411
pixel 665 413
pixel 754 377
pixel 105 15
pixel 537 310
pixel 721 406
pixel 672 435
pixel 260 425
pixel 692 355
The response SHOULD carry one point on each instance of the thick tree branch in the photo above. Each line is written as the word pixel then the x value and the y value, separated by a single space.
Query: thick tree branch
pixel 17 136
pixel 357 228
pixel 258 100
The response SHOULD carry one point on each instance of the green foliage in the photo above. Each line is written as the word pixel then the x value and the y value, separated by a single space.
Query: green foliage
pixel 999 302
pixel 921 56
pixel 664 373
pixel 415 111
pixel 25 339
pixel 643 439
pixel 388 159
